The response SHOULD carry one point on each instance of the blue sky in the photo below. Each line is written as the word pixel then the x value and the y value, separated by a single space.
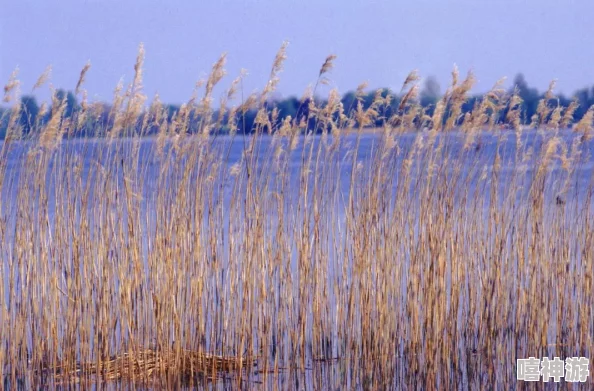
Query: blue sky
pixel 375 41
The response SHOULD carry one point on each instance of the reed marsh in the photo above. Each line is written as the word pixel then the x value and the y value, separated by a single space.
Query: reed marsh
pixel 309 254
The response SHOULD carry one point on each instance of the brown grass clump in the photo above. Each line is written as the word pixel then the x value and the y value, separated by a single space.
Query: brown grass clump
pixel 150 367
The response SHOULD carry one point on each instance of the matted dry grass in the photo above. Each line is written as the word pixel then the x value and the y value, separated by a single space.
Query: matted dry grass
pixel 148 366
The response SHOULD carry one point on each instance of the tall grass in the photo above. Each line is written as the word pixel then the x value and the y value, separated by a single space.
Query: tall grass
pixel 430 255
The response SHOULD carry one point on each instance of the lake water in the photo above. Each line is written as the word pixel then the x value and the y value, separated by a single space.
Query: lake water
pixel 151 188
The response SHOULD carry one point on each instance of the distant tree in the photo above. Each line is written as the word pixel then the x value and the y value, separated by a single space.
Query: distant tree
pixel 29 112
pixel 171 109
pixel 287 107
pixel 349 102
pixel 529 95
pixel 71 102
pixel 585 97
pixel 4 113
pixel 430 93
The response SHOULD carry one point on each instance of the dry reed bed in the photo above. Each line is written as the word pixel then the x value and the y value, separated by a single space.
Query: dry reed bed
pixel 430 259
pixel 148 366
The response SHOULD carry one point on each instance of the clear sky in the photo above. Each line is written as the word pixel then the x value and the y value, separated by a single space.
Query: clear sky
pixel 375 41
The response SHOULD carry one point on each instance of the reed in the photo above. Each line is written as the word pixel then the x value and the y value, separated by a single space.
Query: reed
pixel 429 255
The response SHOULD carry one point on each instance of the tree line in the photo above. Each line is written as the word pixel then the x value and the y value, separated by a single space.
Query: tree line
pixel 32 114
